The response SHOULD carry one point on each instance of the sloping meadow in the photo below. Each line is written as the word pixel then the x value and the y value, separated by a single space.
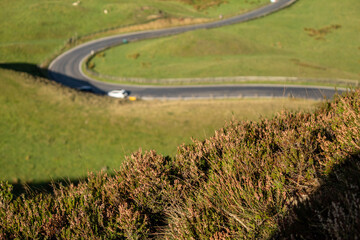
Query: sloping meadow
pixel 267 179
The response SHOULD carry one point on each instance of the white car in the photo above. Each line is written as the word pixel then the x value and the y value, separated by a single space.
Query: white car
pixel 122 93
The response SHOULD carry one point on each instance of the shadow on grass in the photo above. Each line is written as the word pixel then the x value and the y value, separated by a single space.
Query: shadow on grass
pixel 332 212
pixel 47 187
pixel 37 72
pixel 28 68
pixel 29 189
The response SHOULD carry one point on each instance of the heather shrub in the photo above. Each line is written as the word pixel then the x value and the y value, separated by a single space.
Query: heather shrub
pixel 146 179
pixel 85 211
pixel 250 180
pixel 332 212
pixel 250 174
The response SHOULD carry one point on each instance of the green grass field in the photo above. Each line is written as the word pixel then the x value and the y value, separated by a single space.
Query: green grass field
pixel 311 39
pixel 49 132
pixel 33 31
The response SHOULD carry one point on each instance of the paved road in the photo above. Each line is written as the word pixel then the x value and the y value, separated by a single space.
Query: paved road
pixel 66 68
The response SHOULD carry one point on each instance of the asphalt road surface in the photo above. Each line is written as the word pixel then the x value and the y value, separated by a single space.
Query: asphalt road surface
pixel 66 68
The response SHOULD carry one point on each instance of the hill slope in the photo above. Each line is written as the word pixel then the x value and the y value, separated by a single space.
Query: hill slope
pixel 293 175
pixel 310 39
pixel 51 132
pixel 34 31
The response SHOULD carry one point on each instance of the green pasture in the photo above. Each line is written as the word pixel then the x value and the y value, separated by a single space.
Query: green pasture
pixel 34 31
pixel 310 39
pixel 50 132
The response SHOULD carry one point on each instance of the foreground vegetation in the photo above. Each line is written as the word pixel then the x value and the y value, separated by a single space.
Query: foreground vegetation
pixel 293 176
pixel 50 132
pixel 303 40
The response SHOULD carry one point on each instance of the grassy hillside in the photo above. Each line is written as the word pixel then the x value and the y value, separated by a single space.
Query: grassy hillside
pixel 33 31
pixel 49 132
pixel 292 176
pixel 310 39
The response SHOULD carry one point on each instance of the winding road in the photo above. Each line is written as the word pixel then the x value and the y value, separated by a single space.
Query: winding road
pixel 66 68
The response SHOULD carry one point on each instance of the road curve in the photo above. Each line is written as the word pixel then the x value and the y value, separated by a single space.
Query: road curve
pixel 66 68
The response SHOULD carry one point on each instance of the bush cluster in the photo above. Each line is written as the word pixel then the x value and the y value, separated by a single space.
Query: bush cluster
pixel 204 4
pixel 319 34
pixel 251 180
